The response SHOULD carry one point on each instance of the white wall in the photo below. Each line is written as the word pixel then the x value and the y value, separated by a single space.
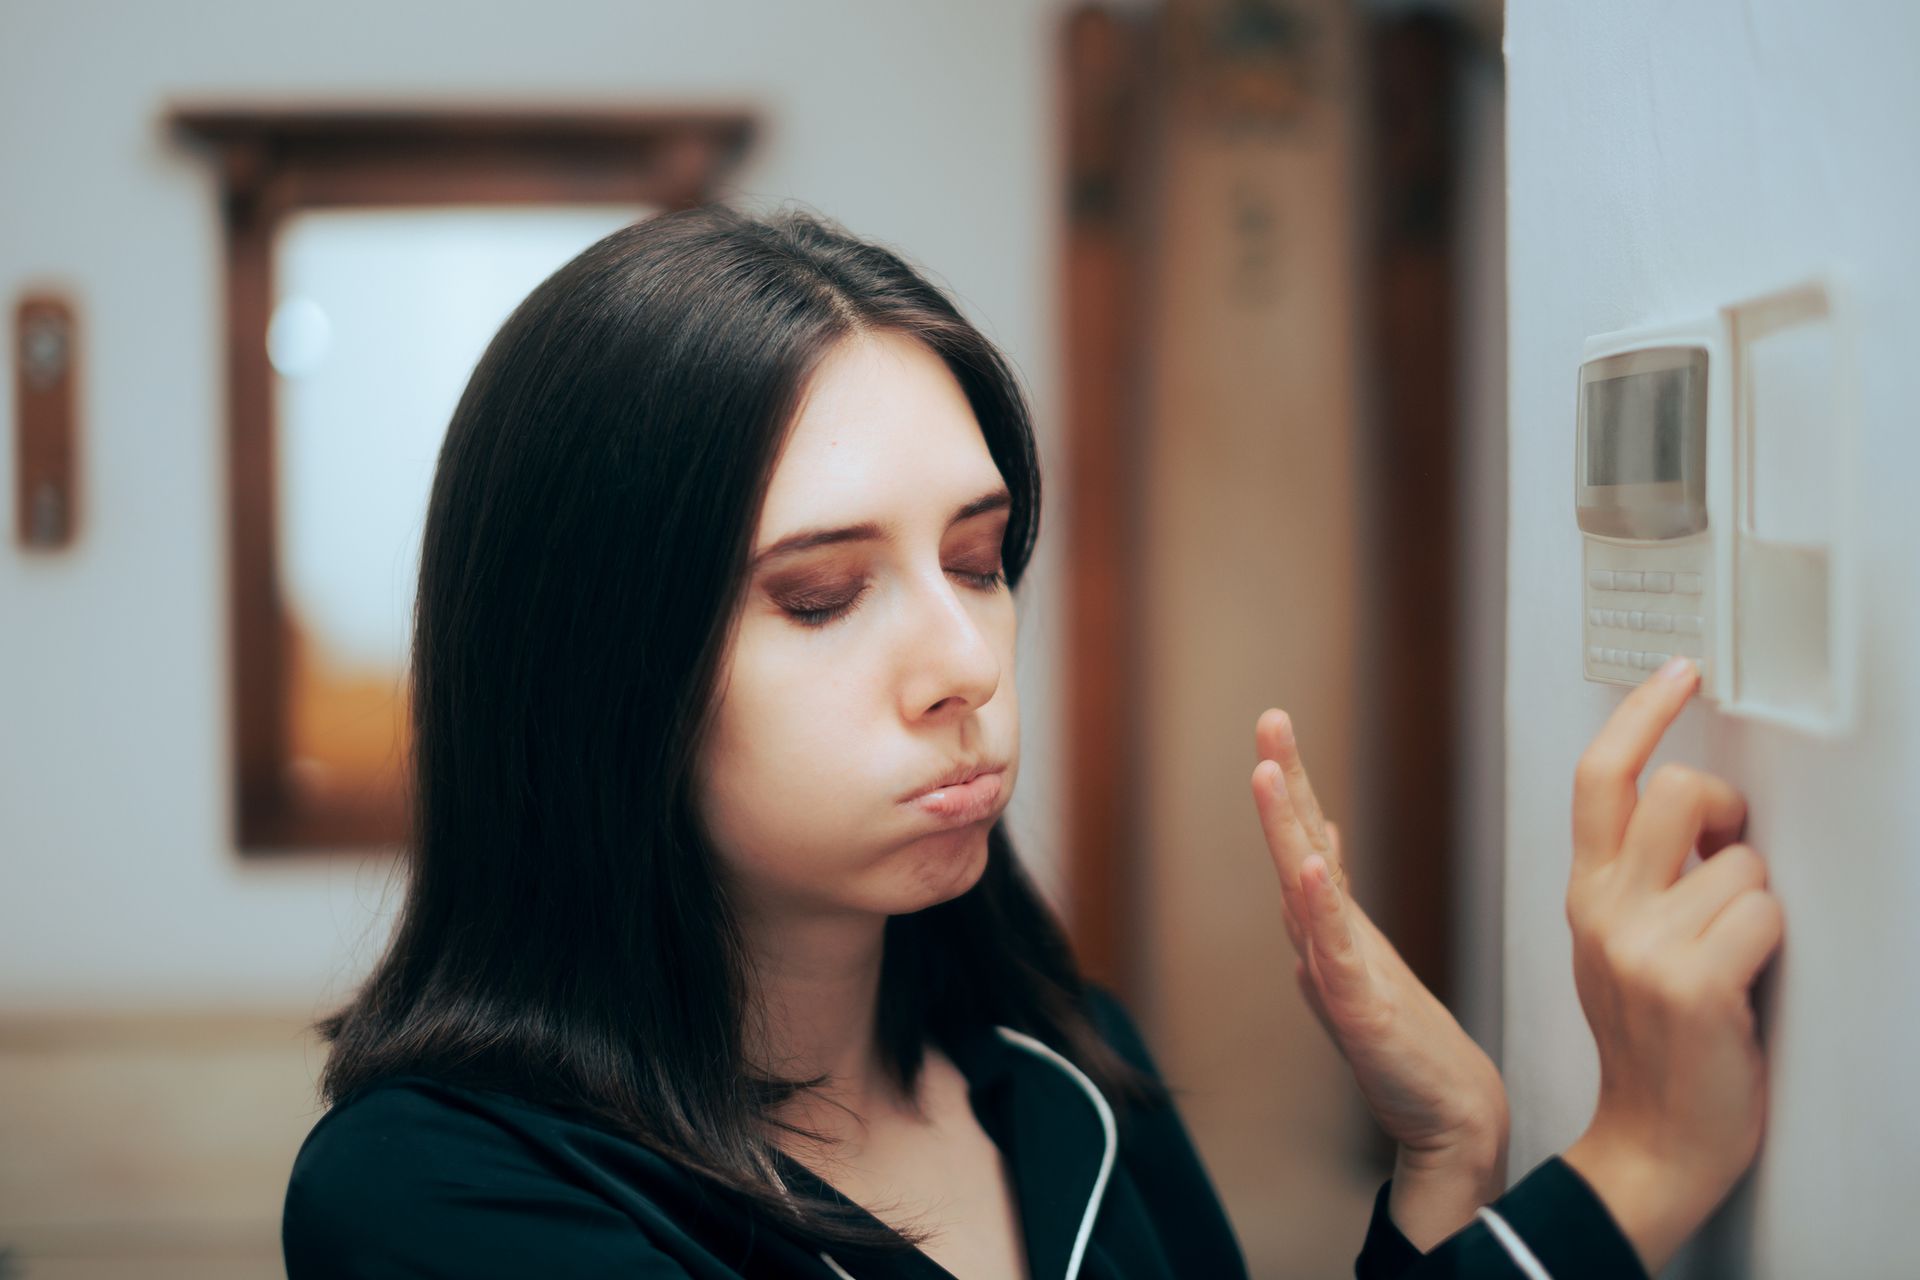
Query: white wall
pixel 930 127
pixel 1664 159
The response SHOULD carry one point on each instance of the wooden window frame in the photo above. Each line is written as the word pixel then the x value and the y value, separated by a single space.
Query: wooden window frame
pixel 273 162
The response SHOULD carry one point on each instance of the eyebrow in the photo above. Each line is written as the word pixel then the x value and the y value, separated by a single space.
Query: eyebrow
pixel 868 531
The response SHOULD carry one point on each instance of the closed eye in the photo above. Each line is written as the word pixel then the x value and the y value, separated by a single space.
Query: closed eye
pixel 984 581
pixel 809 613
pixel 818 612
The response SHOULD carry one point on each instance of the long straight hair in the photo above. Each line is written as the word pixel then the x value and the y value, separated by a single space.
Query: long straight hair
pixel 565 935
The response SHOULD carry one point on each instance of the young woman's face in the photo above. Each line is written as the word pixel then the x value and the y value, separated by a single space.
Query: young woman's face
pixel 873 658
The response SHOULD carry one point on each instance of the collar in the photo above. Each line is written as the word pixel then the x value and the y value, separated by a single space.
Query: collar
pixel 1061 1142
pixel 1056 1133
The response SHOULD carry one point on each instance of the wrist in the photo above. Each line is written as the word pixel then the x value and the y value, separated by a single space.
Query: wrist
pixel 1435 1193
pixel 1647 1200
pixel 1474 1149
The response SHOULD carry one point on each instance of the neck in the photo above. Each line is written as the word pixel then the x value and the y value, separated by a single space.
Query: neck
pixel 815 989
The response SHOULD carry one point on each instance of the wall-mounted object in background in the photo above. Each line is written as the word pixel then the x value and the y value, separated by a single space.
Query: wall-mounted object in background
pixel 1711 462
pixel 46 350
pixel 344 228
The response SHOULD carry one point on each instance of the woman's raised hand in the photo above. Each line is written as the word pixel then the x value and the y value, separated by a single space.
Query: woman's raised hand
pixel 1664 964
pixel 1432 1089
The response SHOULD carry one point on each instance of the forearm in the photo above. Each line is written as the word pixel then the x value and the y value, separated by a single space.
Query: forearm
pixel 1436 1194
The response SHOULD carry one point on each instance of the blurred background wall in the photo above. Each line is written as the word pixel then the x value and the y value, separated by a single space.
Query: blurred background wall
pixel 155 983
pixel 115 652
pixel 135 1145
pixel 1663 161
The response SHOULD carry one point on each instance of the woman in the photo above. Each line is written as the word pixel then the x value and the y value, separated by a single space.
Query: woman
pixel 716 960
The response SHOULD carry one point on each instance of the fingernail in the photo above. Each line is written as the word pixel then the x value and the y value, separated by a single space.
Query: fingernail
pixel 1279 780
pixel 1675 668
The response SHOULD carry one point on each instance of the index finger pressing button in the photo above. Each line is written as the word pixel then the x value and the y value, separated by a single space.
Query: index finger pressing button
pixel 1605 782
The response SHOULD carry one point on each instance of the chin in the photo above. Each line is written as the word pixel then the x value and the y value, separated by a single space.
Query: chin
pixel 939 868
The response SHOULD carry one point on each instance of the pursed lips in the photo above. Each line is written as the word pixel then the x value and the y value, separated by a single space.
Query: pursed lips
pixel 955 777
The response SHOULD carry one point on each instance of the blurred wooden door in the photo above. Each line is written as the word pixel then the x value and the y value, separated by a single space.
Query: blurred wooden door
pixel 1259 490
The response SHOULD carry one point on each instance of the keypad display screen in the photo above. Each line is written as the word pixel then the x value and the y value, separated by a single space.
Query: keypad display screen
pixel 1637 426
pixel 1640 467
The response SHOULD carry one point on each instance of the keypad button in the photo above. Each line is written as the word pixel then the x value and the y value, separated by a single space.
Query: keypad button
pixel 1687 584
pixel 1660 622
pixel 1600 579
pixel 1618 657
pixel 1597 617
pixel 1657 581
pixel 1687 624
pixel 1626 579
pixel 1596 655
pixel 1637 620
pixel 1657 660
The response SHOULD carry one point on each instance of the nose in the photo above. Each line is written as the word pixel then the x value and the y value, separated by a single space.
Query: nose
pixel 949 665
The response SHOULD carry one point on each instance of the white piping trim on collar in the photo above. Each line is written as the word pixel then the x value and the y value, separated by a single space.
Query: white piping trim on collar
pixel 1107 1127
pixel 1111 1135
pixel 1516 1247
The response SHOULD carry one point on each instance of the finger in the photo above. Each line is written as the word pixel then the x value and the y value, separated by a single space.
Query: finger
pixel 1680 808
pixel 1605 783
pixel 1274 736
pixel 1689 906
pixel 1375 945
pixel 1311 994
pixel 1337 858
pixel 1287 842
pixel 1740 940
pixel 1342 970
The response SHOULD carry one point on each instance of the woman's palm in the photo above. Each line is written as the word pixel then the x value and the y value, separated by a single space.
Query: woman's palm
pixel 1423 1077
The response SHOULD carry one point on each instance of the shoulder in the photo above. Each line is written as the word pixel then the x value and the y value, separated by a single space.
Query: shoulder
pixel 398 1131
pixel 407 1150
pixel 411 1176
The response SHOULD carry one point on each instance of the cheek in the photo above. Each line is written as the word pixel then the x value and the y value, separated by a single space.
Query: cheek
pixel 796 781
pixel 781 789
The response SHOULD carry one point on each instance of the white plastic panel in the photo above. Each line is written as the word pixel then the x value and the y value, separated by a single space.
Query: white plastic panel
pixel 1792 613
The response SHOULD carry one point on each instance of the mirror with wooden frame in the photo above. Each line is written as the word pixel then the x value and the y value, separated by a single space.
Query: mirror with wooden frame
pixel 370 256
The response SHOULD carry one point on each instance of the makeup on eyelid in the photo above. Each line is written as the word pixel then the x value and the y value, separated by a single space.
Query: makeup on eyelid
pixel 826 595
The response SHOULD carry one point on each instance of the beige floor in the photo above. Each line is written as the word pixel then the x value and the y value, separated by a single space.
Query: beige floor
pixel 149 1146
